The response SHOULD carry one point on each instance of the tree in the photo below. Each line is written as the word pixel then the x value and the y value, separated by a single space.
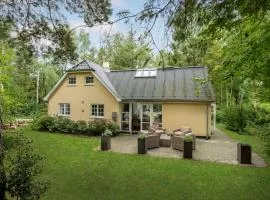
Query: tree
pixel 2 169
pixel 5 98
pixel 44 20
pixel 124 51
pixel 22 168
pixel 84 48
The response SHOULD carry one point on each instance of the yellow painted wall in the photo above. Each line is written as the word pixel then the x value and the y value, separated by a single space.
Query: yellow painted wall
pixel 81 97
pixel 193 115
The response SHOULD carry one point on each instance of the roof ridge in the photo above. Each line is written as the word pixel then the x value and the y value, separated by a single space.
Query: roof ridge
pixel 167 68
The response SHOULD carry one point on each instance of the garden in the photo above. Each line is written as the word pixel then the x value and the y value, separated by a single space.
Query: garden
pixel 77 169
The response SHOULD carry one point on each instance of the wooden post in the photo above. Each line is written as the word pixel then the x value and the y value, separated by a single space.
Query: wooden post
pixel 187 149
pixel 244 153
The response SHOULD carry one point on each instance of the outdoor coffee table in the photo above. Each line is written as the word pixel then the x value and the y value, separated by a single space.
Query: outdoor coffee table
pixel 165 140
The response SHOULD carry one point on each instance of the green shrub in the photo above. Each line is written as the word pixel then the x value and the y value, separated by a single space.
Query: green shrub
pixel 265 136
pixel 65 125
pixel 142 135
pixel 107 132
pixel 188 139
pixel 220 116
pixel 237 117
pixel 43 123
pixel 98 126
pixel 262 131
pixel 114 128
pixel 82 127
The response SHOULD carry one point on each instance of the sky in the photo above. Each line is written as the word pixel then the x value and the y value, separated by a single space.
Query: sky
pixel 98 33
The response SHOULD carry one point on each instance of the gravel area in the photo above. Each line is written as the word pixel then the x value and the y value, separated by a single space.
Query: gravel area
pixel 220 148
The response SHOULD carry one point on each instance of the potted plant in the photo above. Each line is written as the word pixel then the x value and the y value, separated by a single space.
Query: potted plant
pixel 142 149
pixel 188 140
pixel 106 140
pixel 244 153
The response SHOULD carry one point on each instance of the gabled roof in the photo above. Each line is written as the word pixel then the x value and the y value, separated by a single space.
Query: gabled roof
pixel 97 71
pixel 81 66
pixel 170 84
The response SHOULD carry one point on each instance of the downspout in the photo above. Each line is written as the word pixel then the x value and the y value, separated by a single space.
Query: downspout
pixel 207 120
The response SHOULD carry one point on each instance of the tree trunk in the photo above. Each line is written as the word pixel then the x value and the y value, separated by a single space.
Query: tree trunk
pixel 227 97
pixel 2 169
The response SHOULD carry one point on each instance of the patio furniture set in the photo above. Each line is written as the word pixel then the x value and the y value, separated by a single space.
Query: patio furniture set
pixel 157 137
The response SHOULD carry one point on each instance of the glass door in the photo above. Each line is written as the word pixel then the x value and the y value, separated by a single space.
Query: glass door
pixel 136 117
pixel 157 114
pixel 125 118
pixel 145 116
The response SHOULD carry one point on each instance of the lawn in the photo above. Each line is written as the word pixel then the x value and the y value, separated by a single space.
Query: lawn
pixel 77 170
pixel 254 141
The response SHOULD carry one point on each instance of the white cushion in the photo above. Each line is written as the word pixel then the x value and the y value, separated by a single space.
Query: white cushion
pixel 178 133
pixel 159 131
pixel 189 134
pixel 185 128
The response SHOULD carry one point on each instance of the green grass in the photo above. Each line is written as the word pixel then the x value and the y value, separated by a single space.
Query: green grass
pixel 254 141
pixel 78 171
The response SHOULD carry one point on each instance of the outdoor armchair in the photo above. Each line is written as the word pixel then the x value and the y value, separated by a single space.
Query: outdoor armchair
pixel 155 129
pixel 152 141
pixel 177 142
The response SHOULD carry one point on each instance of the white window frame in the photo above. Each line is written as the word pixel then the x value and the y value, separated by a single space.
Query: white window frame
pixel 70 77
pixel 151 115
pixel 98 111
pixel 65 109
pixel 142 73
pixel 129 116
pixel 92 83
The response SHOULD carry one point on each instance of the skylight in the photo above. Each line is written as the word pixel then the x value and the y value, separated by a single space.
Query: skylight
pixel 152 72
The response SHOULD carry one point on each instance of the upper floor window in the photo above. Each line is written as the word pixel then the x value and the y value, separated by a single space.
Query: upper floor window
pixel 97 110
pixel 64 109
pixel 89 80
pixel 72 80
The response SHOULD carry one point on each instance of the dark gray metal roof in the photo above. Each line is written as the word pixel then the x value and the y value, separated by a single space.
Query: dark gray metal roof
pixel 170 84
pixel 82 66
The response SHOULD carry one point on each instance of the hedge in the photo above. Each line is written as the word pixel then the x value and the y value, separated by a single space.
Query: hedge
pixel 65 125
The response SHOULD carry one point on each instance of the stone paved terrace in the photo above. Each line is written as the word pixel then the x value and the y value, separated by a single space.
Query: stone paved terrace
pixel 219 148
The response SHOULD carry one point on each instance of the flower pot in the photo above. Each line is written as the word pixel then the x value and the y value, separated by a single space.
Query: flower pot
pixel 142 146
pixel 105 143
pixel 244 153
pixel 187 149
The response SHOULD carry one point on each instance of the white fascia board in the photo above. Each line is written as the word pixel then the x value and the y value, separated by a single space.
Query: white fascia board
pixel 46 98
pixel 99 79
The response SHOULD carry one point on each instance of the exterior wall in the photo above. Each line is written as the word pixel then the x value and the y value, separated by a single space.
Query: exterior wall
pixel 193 115
pixel 81 97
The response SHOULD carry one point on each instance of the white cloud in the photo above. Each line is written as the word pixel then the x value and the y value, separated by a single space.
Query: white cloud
pixel 118 3
pixel 97 33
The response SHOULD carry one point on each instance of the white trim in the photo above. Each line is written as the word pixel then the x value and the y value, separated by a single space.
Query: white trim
pixel 214 114
pixel 117 98
pixel 72 84
pixel 60 115
pixel 130 117
pixel 65 109
pixel 112 92
pixel 46 98
pixel 97 117
pixel 89 77
pixel 91 110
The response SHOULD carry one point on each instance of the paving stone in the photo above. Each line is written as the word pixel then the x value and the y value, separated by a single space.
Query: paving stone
pixel 220 148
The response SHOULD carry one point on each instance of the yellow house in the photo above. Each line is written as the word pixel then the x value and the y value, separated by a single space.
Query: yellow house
pixel 135 99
